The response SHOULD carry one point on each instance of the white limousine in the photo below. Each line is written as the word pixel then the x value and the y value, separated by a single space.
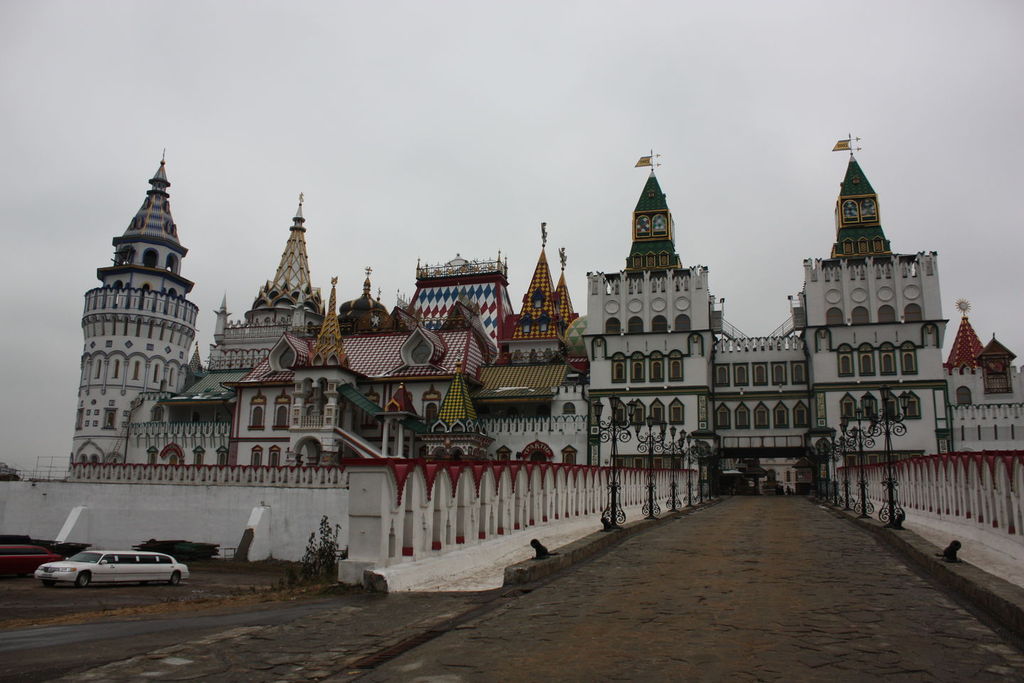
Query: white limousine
pixel 113 566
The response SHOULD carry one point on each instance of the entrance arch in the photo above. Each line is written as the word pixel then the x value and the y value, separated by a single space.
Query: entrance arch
pixel 538 451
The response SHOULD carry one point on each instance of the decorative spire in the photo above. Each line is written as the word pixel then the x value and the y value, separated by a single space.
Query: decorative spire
pixel 196 364
pixel 966 345
pixel 457 406
pixel 539 317
pixel 292 281
pixel 566 314
pixel 329 349
pixel 366 282
pixel 153 219
pixel 858 226
pixel 653 243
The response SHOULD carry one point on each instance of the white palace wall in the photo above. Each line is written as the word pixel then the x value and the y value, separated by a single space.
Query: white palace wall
pixel 118 506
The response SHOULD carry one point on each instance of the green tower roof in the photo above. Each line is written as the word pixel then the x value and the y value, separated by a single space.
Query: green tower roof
pixel 652 198
pixel 855 182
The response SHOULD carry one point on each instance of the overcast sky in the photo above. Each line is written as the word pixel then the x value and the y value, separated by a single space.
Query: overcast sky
pixel 420 130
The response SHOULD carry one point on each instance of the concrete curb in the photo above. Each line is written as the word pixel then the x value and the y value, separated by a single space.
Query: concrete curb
pixel 586 547
pixel 1000 600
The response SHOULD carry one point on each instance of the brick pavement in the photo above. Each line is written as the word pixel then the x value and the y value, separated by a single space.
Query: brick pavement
pixel 753 589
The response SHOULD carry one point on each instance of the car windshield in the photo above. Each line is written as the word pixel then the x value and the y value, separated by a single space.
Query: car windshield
pixel 85 557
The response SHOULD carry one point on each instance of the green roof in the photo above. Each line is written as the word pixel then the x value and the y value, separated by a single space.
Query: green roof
pixel 353 395
pixel 521 381
pixel 652 198
pixel 208 386
pixel 855 182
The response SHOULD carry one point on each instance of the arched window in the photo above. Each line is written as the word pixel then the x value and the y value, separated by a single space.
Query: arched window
pixel 172 263
pixel 963 396
pixel 781 415
pixel 136 369
pixel 778 373
pixel 908 358
pixel 676 412
pixel 157 414
pixel 256 459
pixel 913 405
pixel 844 354
pixel 887 359
pixel 430 411
pixel 657 367
pixel 636 325
pixel 256 418
pixel 637 411
pixel 116 368
pixel 612 326
pixel 800 415
pixel 912 313
pixel 675 366
pixel 618 368
pixel 538 299
pixel 859 315
pixel 760 374
pixel 281 415
pixel 275 456
pixel 847 406
pixel 636 368
pixel 658 411
pixel 197 455
pixel 742 416
pixel 526 324
pixel 886 314
pixel 543 322
pixel 569 408
pixel 761 416
pixel 833 316
pixel 682 323
pixel 866 359
pixel 659 324
pixel 741 374
pixel 149 258
pixel 722 417
pixel 868 405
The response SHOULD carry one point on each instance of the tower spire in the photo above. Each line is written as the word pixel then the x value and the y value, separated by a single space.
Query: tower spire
pixel 292 281
pixel 653 242
pixel 966 345
pixel 329 349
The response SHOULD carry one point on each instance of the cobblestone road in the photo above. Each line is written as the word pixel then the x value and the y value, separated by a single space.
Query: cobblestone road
pixel 754 589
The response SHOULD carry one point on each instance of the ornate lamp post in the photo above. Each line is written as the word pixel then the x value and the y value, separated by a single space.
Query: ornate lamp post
pixel 889 423
pixel 855 438
pixel 674 448
pixel 828 452
pixel 613 430
pixel 650 443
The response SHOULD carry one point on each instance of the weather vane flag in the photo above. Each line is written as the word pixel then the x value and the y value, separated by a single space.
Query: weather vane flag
pixel 847 144
pixel 649 160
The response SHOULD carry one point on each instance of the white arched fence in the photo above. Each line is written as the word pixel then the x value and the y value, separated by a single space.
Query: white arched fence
pixel 407 510
pixel 978 492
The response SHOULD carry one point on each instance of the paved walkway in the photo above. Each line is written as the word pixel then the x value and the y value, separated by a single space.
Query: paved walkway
pixel 753 589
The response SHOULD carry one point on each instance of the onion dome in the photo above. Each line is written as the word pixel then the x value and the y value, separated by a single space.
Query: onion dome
pixel 575 345
pixel 363 314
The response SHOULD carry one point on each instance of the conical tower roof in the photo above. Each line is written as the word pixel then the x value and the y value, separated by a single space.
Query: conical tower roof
pixel 153 220
pixel 566 313
pixel 858 223
pixel 966 347
pixel 291 284
pixel 539 316
pixel 196 364
pixel 329 349
pixel 457 405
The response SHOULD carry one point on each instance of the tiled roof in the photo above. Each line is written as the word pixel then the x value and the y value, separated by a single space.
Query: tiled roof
pixel 994 348
pixel 652 198
pixel 520 381
pixel 966 347
pixel 209 387
pixel 457 406
pixel 153 218
pixel 539 304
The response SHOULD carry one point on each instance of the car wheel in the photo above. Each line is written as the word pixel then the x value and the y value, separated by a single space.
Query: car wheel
pixel 175 578
pixel 83 579
pixel 49 582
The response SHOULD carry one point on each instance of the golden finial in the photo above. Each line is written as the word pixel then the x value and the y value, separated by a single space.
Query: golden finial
pixel 369 272
pixel 963 305
pixel 561 256
pixel 543 235
pixel 334 281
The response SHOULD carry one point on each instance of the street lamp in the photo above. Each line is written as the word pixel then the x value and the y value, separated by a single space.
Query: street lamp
pixel 650 443
pixel 612 430
pixel 828 451
pixel 674 449
pixel 855 438
pixel 889 423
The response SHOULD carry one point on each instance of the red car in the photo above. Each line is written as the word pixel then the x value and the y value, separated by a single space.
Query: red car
pixel 23 559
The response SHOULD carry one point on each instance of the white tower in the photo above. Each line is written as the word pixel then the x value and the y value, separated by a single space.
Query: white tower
pixel 138 328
